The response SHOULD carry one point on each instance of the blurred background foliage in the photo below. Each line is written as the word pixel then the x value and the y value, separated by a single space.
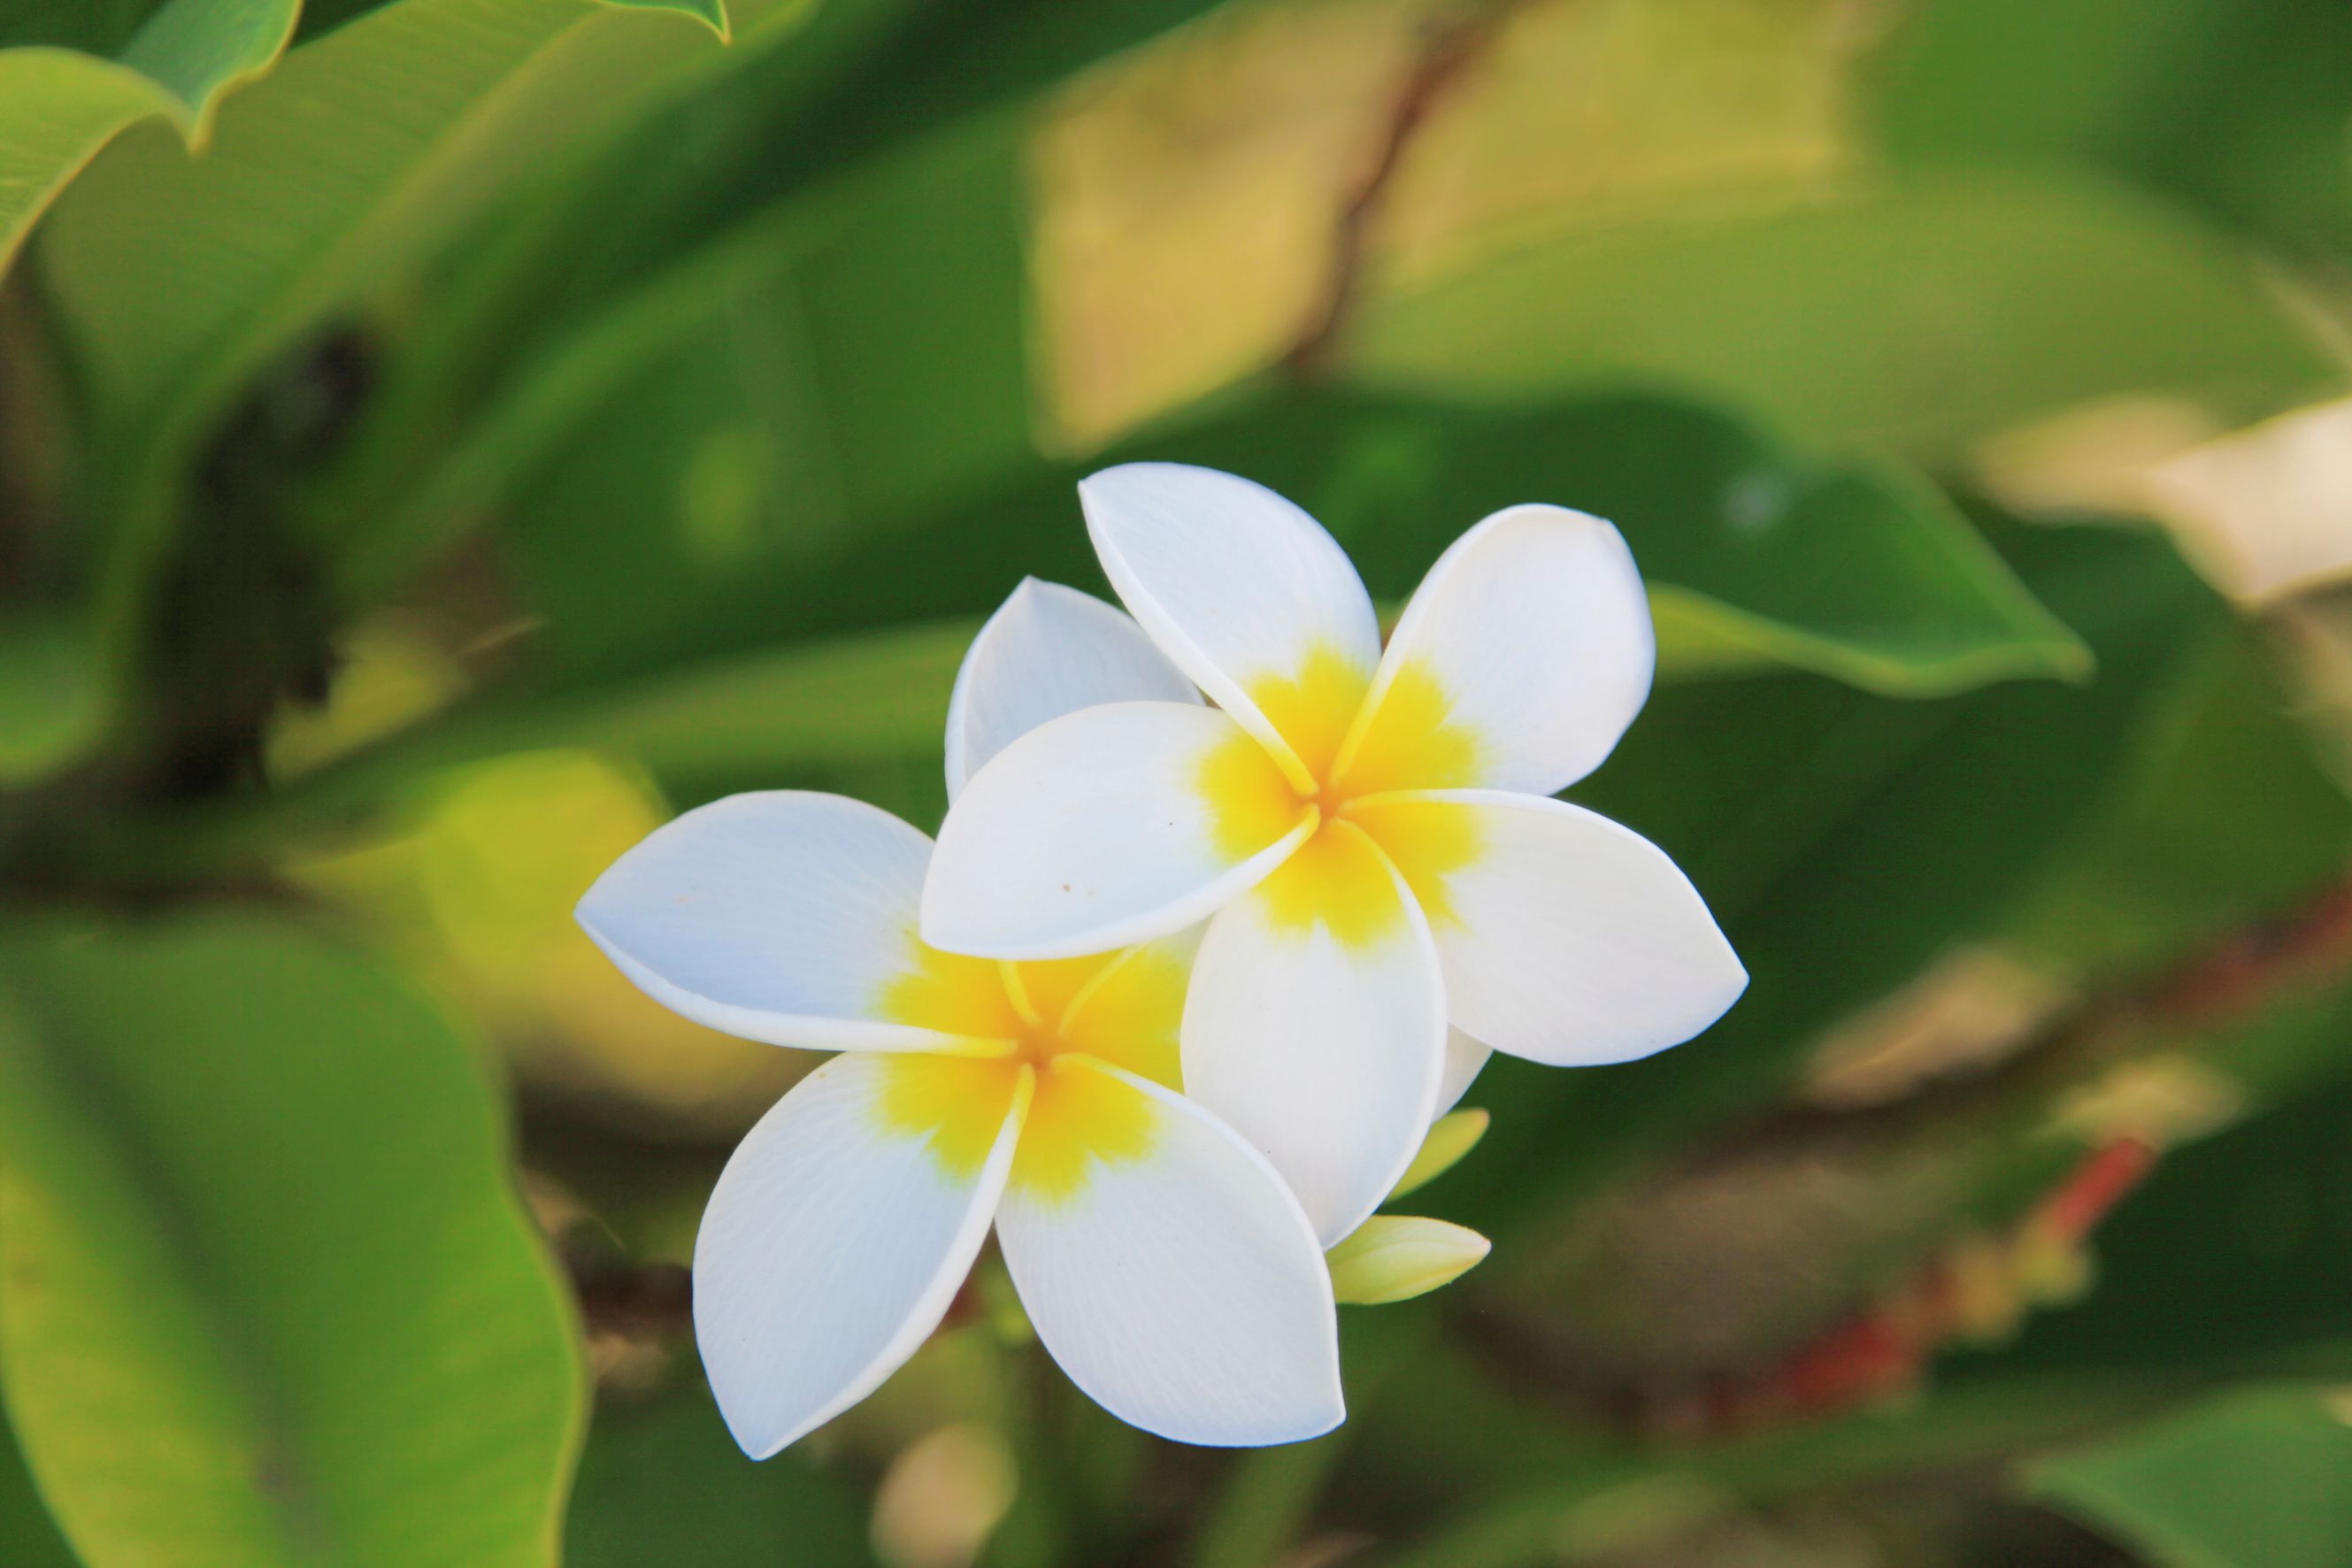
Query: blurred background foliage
pixel 441 438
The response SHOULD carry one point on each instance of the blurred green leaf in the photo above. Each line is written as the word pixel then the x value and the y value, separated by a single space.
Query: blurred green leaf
pixel 2237 107
pixel 2224 818
pixel 181 280
pixel 270 1295
pixel 1844 841
pixel 665 1484
pixel 59 106
pixel 2261 1478
pixel 29 1536
pixel 1757 557
pixel 52 703
pixel 1941 311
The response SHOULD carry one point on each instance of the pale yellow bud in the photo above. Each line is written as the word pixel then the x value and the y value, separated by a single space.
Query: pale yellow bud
pixel 1395 1257
pixel 1449 1138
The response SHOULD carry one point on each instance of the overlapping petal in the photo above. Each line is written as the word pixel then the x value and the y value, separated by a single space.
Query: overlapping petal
pixel 1047 651
pixel 1316 1026
pixel 1106 827
pixel 839 1232
pixel 1519 661
pixel 1239 587
pixel 1566 938
pixel 787 917
pixel 1180 1288
pixel 1466 1058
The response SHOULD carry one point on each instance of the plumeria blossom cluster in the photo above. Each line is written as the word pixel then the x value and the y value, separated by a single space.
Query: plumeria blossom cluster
pixel 1230 903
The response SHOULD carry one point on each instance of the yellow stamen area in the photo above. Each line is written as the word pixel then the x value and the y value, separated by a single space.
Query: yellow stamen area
pixel 1038 1020
pixel 1410 740
pixel 1251 804
pixel 1131 1014
pixel 1042 988
pixel 952 993
pixel 1428 841
pixel 1338 883
pixel 1081 1118
pixel 956 1105
pixel 1313 708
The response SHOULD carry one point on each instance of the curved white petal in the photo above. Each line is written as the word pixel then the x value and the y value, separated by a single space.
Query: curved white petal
pixel 833 1243
pixel 784 916
pixel 1237 585
pixel 1106 827
pixel 1182 1288
pixel 1047 651
pixel 1466 1058
pixel 1569 940
pixel 1519 661
pixel 1316 1026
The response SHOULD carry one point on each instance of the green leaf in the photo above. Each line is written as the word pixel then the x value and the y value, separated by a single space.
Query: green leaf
pixel 179 280
pixel 2261 1478
pixel 52 703
pixel 59 107
pixel 666 1484
pixel 1925 318
pixel 27 1530
pixel 1758 558
pixel 269 1294
pixel 1843 840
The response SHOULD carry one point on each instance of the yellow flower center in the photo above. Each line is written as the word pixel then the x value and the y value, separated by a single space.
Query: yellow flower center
pixel 1051 1021
pixel 1409 740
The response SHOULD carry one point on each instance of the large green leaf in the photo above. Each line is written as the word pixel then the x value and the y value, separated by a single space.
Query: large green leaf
pixel 2261 1478
pixel 1757 557
pixel 59 107
pixel 1844 841
pixel 362 152
pixel 1939 312
pixel 29 1536
pixel 269 1294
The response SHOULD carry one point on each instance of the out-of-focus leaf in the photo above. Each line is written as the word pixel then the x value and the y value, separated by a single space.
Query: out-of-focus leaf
pixel 269 1296
pixel 52 703
pixel 2224 819
pixel 2254 1479
pixel 2236 106
pixel 1189 198
pixel 59 106
pixel 1842 840
pixel 1758 557
pixel 665 1484
pixel 802 213
pixel 1927 317
pixel 2236 1254
pixel 27 1532
pixel 180 279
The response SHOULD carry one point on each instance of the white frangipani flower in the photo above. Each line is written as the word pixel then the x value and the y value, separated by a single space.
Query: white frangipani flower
pixel 1371 830
pixel 1163 1262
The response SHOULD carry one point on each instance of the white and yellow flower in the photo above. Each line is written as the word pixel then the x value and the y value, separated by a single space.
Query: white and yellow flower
pixel 1371 830
pixel 1163 1260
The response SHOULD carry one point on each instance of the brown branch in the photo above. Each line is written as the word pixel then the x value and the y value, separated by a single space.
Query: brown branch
pixel 1451 47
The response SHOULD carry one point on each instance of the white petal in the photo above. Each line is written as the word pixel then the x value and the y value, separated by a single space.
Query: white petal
pixel 1183 1288
pixel 833 1246
pixel 1466 1058
pixel 1529 643
pixel 1236 584
pixel 1568 939
pixel 1047 651
pixel 1316 1026
pixel 784 916
pixel 1106 827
